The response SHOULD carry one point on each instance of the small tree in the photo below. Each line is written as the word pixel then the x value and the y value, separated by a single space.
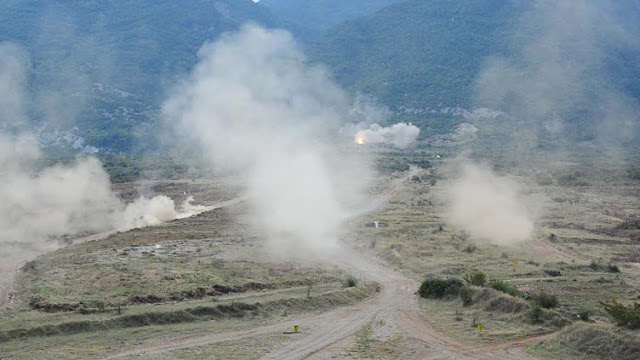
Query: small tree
pixel 477 278
pixel 545 300
pixel 624 316
pixel 466 295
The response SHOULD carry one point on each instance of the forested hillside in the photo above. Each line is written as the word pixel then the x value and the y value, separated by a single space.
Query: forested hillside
pixel 104 65
pixel 424 56
pixel 317 16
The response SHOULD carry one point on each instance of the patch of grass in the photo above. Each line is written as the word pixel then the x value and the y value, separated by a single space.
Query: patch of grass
pixel 553 273
pixel 592 341
pixel 545 300
pixel 595 265
pixel 470 248
pixel 233 310
pixel 439 288
pixel 628 317
pixel 504 287
pixel 584 314
pixel 477 278
pixel 350 281
pixel 613 268
pixel 535 314
pixel 466 295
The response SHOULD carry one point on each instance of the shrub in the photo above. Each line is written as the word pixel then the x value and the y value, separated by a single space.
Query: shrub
pixel 29 266
pixel 613 268
pixel 553 273
pixel 506 304
pixel 350 282
pixel 470 248
pixel 466 295
pixel 458 316
pixel 624 316
pixel 504 287
pixel 596 266
pixel 597 342
pixel 535 314
pixel 477 278
pixel 545 300
pixel 439 288
pixel 584 315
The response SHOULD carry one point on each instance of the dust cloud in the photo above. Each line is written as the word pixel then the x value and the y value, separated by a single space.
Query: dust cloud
pixel 488 207
pixel 40 205
pixel 256 108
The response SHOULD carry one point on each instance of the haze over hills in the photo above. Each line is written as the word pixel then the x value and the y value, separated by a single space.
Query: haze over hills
pixel 317 16
pixel 420 57
pixel 104 66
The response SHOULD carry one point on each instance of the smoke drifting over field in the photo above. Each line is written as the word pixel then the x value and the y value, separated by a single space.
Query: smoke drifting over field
pixel 39 205
pixel 256 108
pixel 13 61
pixel 557 85
pixel 488 207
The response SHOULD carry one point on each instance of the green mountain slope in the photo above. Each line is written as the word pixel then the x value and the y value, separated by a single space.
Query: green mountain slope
pixel 319 15
pixel 424 56
pixel 105 65
pixel 417 53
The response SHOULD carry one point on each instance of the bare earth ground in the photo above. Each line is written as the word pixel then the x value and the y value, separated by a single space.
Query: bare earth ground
pixel 395 323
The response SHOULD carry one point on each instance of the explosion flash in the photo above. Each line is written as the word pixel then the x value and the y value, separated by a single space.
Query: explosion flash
pixel 360 140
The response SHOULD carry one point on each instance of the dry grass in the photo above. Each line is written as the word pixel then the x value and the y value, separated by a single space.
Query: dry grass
pixel 591 341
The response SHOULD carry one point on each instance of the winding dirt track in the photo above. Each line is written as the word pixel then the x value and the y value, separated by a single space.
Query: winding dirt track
pixel 396 307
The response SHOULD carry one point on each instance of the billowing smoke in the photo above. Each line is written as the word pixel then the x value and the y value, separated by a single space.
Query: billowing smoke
pixel 39 205
pixel 256 108
pixel 488 207
pixel 400 135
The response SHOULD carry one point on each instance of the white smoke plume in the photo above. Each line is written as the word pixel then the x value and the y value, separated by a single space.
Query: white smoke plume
pixel 41 204
pixel 489 207
pixel 256 108
pixel 400 135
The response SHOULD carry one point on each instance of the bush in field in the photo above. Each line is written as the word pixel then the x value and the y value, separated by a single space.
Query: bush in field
pixel 624 316
pixel 504 287
pixel 466 295
pixel 439 288
pixel 350 282
pixel 584 315
pixel 545 300
pixel 535 314
pixel 477 278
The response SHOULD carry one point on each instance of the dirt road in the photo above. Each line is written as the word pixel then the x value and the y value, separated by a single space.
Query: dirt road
pixel 396 307
pixel 394 311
